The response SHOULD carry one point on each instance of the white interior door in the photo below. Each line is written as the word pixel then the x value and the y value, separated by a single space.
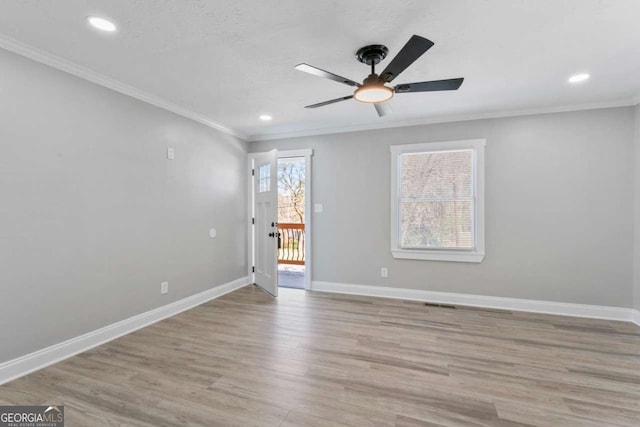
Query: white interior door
pixel 265 208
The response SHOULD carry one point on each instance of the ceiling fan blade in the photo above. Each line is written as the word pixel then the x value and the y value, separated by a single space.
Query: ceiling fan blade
pixel 411 51
pixel 383 108
pixel 432 86
pixel 327 75
pixel 333 101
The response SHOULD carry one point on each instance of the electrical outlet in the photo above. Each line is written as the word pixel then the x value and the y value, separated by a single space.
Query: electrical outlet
pixel 171 153
pixel 164 287
pixel 384 272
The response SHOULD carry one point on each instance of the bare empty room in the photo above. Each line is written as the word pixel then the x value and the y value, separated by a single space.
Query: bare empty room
pixel 308 213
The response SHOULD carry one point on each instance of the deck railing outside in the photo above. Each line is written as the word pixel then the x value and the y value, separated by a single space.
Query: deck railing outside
pixel 291 244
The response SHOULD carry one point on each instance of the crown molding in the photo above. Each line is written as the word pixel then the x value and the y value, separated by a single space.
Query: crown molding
pixel 67 66
pixel 446 119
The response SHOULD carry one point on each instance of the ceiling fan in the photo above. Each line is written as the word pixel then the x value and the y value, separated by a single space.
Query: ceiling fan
pixel 374 89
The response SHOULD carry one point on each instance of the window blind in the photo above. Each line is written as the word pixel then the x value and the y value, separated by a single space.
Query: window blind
pixel 436 200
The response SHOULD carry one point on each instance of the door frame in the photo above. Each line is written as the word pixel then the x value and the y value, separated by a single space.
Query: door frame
pixel 308 247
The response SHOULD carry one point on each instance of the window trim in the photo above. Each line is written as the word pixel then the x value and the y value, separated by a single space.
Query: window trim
pixel 475 254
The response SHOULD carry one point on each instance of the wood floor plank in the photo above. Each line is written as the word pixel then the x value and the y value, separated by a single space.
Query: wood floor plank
pixel 315 359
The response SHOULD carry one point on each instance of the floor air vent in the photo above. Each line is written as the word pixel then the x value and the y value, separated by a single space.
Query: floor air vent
pixel 433 304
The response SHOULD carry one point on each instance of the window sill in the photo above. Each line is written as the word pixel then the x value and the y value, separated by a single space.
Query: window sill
pixel 428 255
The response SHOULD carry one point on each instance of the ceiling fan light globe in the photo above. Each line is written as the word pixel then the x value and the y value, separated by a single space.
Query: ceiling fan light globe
pixel 373 94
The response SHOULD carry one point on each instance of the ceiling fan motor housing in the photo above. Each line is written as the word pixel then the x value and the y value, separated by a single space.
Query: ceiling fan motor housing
pixel 372 80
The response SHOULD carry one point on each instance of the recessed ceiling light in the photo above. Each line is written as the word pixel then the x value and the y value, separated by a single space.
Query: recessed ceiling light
pixel 579 78
pixel 265 117
pixel 102 24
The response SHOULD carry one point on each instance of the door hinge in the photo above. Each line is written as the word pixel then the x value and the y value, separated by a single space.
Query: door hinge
pixel 253 220
pixel 253 172
pixel 253 269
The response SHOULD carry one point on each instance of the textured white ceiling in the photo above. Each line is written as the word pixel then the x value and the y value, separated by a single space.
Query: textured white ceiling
pixel 231 61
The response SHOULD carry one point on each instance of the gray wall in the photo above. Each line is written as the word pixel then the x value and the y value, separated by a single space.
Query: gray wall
pixel 559 208
pixel 636 213
pixel 93 216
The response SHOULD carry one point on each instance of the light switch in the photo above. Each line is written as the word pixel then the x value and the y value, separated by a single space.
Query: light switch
pixel 213 233
pixel 171 154
pixel 318 208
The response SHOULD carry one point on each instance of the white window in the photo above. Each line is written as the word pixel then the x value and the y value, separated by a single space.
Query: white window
pixel 437 201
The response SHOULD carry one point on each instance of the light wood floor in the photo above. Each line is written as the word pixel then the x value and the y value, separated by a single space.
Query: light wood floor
pixel 326 360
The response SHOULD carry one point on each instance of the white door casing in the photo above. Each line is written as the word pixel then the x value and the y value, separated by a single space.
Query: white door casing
pixel 307 153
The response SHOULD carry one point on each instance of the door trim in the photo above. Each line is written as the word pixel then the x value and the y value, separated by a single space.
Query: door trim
pixel 250 225
pixel 308 247
pixel 306 153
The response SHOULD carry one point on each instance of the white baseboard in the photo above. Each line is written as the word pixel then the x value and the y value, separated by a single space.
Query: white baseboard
pixel 514 304
pixel 24 365
pixel 636 317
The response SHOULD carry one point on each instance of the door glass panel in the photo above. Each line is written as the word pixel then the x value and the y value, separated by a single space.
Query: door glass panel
pixel 264 178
